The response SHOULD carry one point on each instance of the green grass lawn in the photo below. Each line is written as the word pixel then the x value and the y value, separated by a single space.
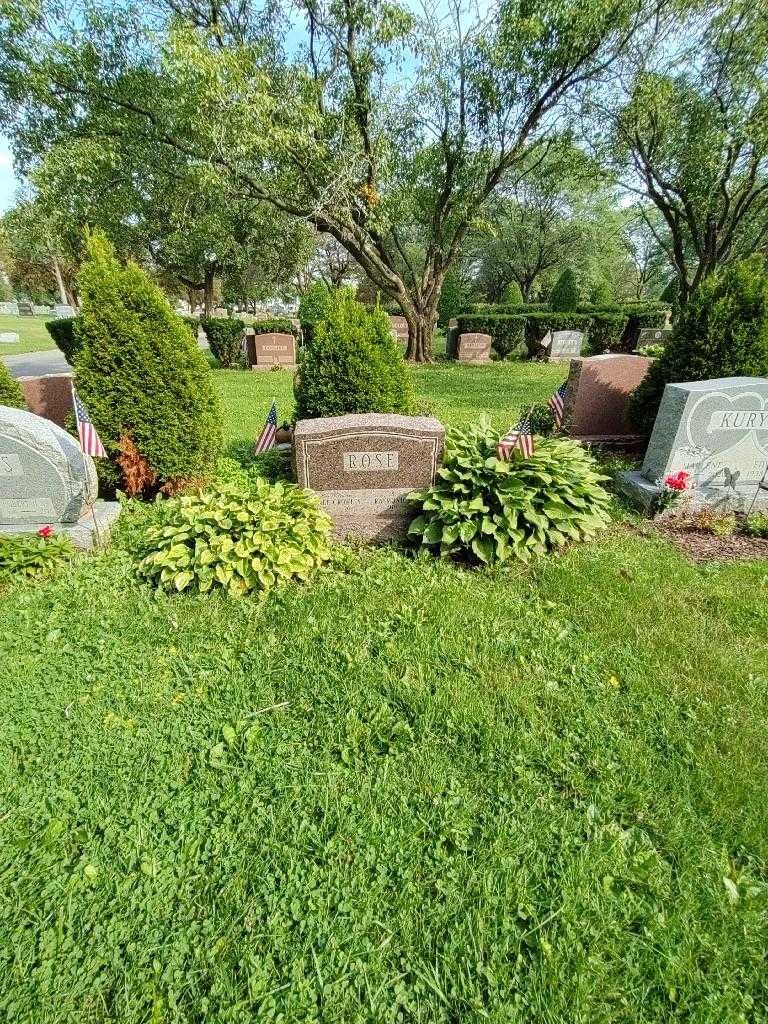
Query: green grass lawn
pixel 403 793
pixel 33 336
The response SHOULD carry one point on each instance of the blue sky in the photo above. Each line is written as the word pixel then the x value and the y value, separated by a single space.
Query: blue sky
pixel 8 182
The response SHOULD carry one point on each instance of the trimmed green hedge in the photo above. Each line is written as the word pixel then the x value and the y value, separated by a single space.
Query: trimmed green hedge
pixel 507 332
pixel 225 337
pixel 279 325
pixel 62 331
pixel 10 390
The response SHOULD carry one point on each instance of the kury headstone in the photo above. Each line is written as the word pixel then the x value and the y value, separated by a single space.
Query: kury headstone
pixel 474 348
pixel 266 351
pixel 364 466
pixel 61 311
pixel 8 338
pixel 595 403
pixel 715 430
pixel 562 345
pixel 46 480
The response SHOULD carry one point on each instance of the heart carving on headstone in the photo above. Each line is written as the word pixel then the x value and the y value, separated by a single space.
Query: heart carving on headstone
pixel 718 422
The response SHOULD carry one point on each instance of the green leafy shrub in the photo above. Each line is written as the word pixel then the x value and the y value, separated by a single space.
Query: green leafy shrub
pixel 489 510
pixel 352 364
pixel 312 306
pixel 605 332
pixel 507 331
pixel 142 376
pixel 192 322
pixel 756 524
pixel 10 390
pixel 279 325
pixel 651 351
pixel 542 419
pixel 30 555
pixel 452 297
pixel 565 295
pixel 722 331
pixel 513 297
pixel 65 337
pixel 237 537
pixel 225 337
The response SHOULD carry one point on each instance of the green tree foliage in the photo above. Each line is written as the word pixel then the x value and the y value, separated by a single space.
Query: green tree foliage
pixel 601 294
pixel 722 331
pixel 64 336
pixel 10 390
pixel 351 364
pixel 141 374
pixel 452 296
pixel 512 295
pixel 565 295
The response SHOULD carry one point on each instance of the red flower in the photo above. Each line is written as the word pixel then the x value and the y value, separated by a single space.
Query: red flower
pixel 678 481
pixel 45 531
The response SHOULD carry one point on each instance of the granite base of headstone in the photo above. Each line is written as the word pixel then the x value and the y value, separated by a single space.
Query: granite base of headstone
pixel 268 351
pixel 562 345
pixel 49 396
pixel 717 432
pixel 364 466
pixel 474 348
pixel 595 403
pixel 46 480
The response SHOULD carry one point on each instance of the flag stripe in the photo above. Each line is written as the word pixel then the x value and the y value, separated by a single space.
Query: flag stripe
pixel 90 442
pixel 266 439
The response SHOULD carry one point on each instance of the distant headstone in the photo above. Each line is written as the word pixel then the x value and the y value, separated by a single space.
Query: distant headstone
pixel 26 309
pixel 562 345
pixel 45 480
pixel 9 308
pixel 654 336
pixel 49 396
pixel 717 431
pixel 42 310
pixel 595 403
pixel 399 327
pixel 266 351
pixel 473 348
pixel 362 467
pixel 451 338
pixel 8 338
pixel 62 311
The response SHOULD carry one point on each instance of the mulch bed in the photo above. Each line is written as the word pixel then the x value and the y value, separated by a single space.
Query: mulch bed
pixel 702 546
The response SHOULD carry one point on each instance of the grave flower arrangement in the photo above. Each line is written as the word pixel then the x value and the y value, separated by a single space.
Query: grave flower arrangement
pixel 673 489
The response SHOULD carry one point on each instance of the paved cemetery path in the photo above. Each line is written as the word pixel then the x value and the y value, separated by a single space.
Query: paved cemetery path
pixel 36 364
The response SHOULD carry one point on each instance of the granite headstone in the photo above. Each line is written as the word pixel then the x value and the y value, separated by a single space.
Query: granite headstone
pixel 654 336
pixel 398 325
pixel 363 466
pixel 62 311
pixel 451 338
pixel 42 310
pixel 717 431
pixel 562 345
pixel 26 309
pixel 474 348
pixel 45 479
pixel 49 395
pixel 266 351
pixel 595 403
pixel 9 308
pixel 8 338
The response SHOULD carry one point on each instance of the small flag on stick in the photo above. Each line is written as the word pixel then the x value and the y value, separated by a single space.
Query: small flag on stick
pixel 90 441
pixel 520 437
pixel 557 404
pixel 267 436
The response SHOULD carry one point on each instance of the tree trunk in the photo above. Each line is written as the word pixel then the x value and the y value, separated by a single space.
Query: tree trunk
pixel 61 287
pixel 210 277
pixel 421 328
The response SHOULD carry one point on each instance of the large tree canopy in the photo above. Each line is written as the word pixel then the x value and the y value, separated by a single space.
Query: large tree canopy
pixel 387 131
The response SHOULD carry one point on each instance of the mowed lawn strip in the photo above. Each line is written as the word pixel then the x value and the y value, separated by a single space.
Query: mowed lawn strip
pixel 33 336
pixel 403 792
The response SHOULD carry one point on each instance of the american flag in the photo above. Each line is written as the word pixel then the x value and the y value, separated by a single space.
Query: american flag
pixel 557 404
pixel 520 437
pixel 267 436
pixel 90 441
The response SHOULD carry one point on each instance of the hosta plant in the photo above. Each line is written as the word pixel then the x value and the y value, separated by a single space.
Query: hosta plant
pixel 237 536
pixel 491 511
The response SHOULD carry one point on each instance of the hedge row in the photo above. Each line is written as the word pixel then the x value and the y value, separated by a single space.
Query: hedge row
pixel 611 328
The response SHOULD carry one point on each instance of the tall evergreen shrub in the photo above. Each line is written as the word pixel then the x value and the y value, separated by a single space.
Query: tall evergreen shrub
pixel 141 374
pixel 10 390
pixel 722 331
pixel 565 295
pixel 352 364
